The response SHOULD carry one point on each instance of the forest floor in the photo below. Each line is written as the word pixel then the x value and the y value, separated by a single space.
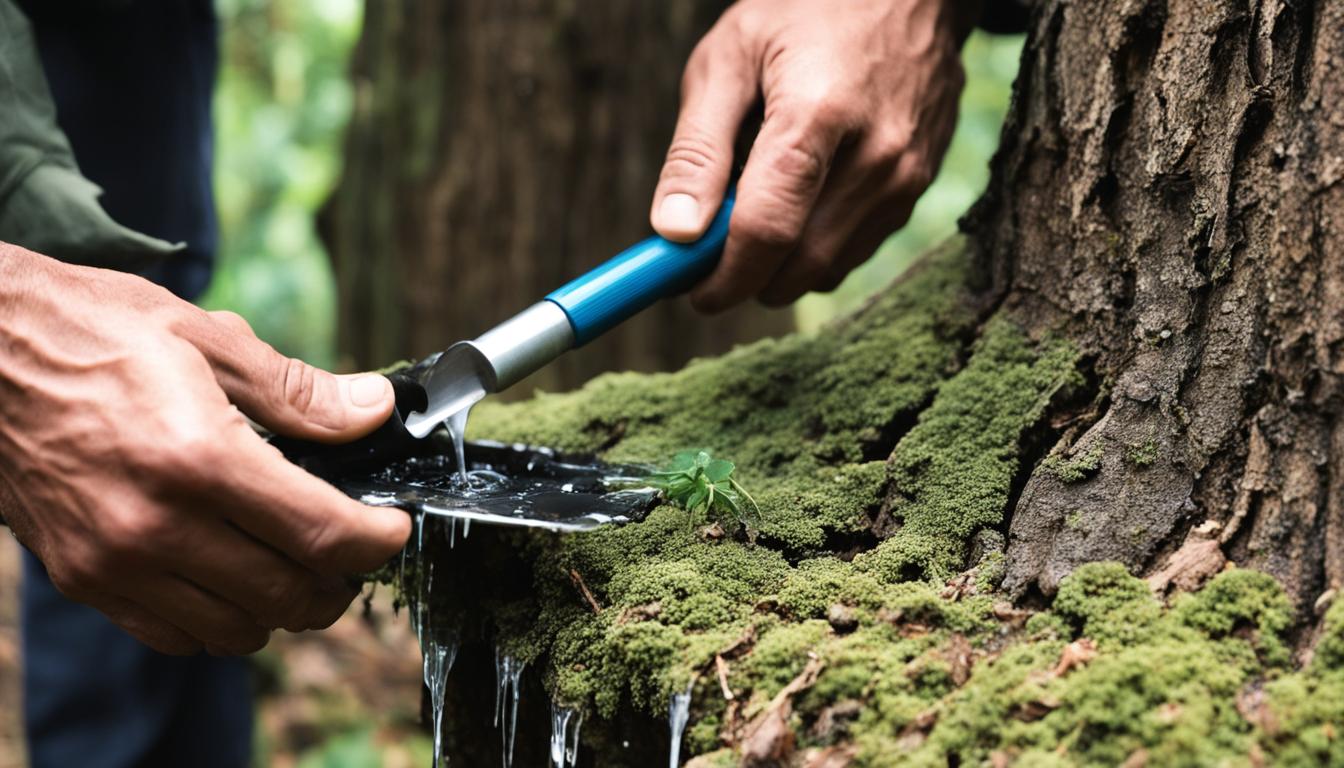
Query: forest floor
pixel 347 696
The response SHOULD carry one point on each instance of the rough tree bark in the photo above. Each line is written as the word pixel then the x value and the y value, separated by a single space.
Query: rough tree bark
pixel 498 150
pixel 1168 195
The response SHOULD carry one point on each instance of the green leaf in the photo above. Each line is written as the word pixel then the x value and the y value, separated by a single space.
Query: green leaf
pixel 701 496
pixel 718 470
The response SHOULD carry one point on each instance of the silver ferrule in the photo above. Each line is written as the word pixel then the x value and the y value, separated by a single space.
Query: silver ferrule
pixel 524 343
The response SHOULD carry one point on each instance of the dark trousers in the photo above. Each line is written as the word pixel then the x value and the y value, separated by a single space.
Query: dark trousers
pixel 95 697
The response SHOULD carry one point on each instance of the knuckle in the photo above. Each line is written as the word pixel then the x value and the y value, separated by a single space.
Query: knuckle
pixel 126 535
pixel 765 230
pixel 889 145
pixel 826 109
pixel 233 321
pixel 329 612
pixel 690 154
pixel 285 604
pixel 813 263
pixel 298 384
pixel 802 165
pixel 180 456
pixel 322 548
pixel 249 640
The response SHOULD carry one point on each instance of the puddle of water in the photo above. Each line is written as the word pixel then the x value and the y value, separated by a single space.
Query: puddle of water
pixel 509 485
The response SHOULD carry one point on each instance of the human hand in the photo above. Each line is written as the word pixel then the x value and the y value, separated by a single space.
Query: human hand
pixel 144 492
pixel 860 102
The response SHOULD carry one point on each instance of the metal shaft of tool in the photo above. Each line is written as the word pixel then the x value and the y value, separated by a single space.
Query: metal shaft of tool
pixel 497 359
pixel 524 343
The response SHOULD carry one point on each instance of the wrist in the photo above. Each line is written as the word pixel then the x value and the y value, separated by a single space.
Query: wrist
pixel 18 273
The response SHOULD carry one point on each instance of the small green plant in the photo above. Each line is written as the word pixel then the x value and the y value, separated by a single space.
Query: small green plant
pixel 696 481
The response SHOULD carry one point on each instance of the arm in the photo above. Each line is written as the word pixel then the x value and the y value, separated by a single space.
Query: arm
pixel 126 468
pixel 860 102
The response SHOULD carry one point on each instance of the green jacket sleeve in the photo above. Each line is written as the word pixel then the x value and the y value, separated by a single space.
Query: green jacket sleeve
pixel 45 204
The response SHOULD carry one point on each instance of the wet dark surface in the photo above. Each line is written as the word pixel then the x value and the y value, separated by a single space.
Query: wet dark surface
pixel 508 485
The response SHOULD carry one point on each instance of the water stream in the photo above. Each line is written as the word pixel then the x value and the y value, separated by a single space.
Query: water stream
pixel 457 428
pixel 678 714
pixel 564 743
pixel 508 673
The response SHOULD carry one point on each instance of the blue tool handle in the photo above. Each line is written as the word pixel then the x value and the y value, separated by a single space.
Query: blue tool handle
pixel 637 277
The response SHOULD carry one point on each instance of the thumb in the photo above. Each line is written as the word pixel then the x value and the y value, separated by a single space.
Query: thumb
pixel 286 395
pixel 700 157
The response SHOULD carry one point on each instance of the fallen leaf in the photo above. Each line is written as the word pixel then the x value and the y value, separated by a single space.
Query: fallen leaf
pixel 1169 713
pixel 642 612
pixel 1014 617
pixel 770 741
pixel 1075 654
pixel 960 658
pixel 830 757
pixel 833 719
pixel 1031 711
pixel 1198 559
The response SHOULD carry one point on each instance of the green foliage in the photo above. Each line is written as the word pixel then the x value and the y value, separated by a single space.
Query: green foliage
pixel 697 482
pixel 281 104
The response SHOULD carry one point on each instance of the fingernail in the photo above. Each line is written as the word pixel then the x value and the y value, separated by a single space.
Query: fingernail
pixel 679 213
pixel 368 391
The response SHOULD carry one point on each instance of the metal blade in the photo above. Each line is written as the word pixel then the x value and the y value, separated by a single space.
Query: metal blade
pixel 456 381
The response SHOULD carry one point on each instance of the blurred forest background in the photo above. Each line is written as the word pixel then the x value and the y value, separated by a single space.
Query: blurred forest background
pixel 349 697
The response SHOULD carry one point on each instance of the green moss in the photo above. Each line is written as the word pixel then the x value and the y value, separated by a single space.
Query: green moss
pixel 1303 720
pixel 1076 469
pixel 1240 600
pixel 1143 454
pixel 951 475
pixel 1103 602
pixel 1169 685
pixel 1330 648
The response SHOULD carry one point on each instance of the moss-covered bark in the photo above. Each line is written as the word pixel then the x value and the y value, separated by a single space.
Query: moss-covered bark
pixel 1134 357
pixel 872 581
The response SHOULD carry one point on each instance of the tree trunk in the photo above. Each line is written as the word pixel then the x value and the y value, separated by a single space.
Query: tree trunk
pixel 1135 356
pixel 497 150
pixel 1168 193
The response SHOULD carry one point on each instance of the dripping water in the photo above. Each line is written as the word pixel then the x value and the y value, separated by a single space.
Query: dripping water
pixel 678 713
pixel 457 428
pixel 508 674
pixel 438 644
pixel 564 743
pixel 439 658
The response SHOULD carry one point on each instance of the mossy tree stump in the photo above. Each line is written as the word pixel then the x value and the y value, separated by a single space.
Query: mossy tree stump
pixel 1134 356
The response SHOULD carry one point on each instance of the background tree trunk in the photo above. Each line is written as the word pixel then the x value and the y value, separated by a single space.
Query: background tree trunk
pixel 497 150
pixel 1168 194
